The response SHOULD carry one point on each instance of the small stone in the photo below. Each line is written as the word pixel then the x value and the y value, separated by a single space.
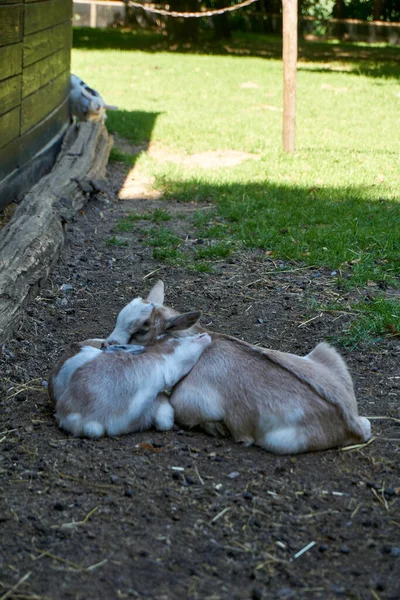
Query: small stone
pixel 337 589
pixel 395 552
pixel 114 478
pixel 66 287
pixel 322 548
pixel 190 480
pixel 286 592
pixel 390 491
pixel 233 475
pixel 380 586
pixel 129 492
pixel 260 321
pixel 334 273
pixel 315 275
pixel 248 496
pixel 344 549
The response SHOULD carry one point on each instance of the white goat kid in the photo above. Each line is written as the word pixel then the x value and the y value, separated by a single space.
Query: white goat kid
pixel 279 401
pixel 116 390
pixel 87 104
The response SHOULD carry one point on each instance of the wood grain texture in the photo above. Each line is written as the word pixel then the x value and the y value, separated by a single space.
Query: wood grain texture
pixel 31 243
pixel 11 19
pixel 10 93
pixel 42 72
pixel 37 106
pixel 44 43
pixel 9 156
pixel 40 135
pixel 10 61
pixel 42 15
pixel 9 126
pixel 289 54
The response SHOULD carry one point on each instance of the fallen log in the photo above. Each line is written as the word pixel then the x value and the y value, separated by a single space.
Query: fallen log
pixel 31 243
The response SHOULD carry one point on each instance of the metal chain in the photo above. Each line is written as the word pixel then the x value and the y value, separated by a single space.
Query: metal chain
pixel 187 15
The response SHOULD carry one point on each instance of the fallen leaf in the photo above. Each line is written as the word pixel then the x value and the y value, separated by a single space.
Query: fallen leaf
pixel 149 447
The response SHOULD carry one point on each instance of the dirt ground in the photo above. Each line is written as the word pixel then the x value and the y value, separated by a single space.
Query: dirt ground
pixel 164 516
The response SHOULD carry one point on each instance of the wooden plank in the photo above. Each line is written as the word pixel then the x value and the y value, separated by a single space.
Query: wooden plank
pixel 19 181
pixel 289 53
pixel 10 93
pixel 36 138
pixel 9 126
pixel 9 156
pixel 38 105
pixel 42 15
pixel 40 73
pixel 42 44
pixel 32 241
pixel 10 61
pixel 11 24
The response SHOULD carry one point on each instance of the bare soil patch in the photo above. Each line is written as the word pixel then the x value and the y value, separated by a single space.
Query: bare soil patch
pixel 114 518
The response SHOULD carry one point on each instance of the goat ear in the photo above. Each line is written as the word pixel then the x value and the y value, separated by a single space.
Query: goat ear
pixel 156 295
pixel 183 321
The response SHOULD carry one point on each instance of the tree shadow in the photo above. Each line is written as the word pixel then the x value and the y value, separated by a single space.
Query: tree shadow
pixel 370 60
pixel 134 129
pixel 340 228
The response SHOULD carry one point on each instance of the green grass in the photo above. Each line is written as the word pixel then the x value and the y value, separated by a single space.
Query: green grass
pixel 373 319
pixel 114 241
pixel 118 156
pixel 333 204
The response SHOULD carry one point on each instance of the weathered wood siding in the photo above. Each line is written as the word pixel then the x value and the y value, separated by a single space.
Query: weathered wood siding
pixel 35 46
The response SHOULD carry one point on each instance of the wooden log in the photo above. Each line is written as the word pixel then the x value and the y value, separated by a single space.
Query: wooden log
pixel 289 54
pixel 31 243
pixel 10 61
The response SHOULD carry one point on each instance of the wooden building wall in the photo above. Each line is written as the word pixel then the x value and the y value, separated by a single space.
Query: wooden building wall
pixel 35 46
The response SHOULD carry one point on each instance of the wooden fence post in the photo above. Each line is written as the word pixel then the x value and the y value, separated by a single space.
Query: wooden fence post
pixel 289 55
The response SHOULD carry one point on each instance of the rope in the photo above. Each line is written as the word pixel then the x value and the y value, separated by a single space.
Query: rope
pixel 187 15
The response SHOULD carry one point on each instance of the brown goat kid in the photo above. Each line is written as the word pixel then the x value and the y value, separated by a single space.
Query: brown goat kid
pixel 282 402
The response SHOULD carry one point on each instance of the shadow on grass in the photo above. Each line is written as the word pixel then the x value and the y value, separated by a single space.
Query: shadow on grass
pixel 370 60
pixel 136 129
pixel 342 228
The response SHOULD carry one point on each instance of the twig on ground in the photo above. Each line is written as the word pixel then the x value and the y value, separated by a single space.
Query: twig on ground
pixel 58 558
pixel 20 582
pixel 221 514
pixel 357 446
pixel 309 320
pixel 303 550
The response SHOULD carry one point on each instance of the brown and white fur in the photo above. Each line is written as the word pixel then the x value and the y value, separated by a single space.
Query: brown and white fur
pixel 100 392
pixel 279 401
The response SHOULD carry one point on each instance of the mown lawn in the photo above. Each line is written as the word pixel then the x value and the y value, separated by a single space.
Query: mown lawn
pixel 334 204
